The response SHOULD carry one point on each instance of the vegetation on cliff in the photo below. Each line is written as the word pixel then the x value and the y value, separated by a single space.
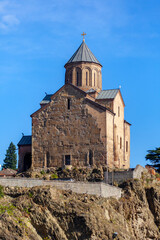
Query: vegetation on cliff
pixel 47 213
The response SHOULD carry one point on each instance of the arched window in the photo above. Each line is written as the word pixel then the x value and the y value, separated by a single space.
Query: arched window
pixel 86 78
pixel 70 77
pixel 94 79
pixel 79 77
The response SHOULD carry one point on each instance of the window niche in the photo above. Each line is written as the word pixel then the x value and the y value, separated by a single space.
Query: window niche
pixel 86 78
pixel 94 79
pixel 48 159
pixel 90 157
pixel 118 111
pixel 78 76
pixel 120 143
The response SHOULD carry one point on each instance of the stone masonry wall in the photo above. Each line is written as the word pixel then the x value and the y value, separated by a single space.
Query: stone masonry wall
pixel 119 132
pixel 58 131
pixel 121 176
pixel 100 189
pixel 127 148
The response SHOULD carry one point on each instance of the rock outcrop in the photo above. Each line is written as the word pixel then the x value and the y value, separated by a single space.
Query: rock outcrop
pixel 47 213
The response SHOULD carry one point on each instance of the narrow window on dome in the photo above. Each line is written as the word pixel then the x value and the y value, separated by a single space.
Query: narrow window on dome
pixel 86 78
pixel 70 77
pixel 94 79
pixel 69 104
pixel 77 79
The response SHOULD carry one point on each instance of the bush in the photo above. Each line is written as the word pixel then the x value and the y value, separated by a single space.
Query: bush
pixel 54 176
pixel 1 192
pixel 42 172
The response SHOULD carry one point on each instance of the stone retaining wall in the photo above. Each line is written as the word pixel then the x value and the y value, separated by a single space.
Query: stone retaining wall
pixel 121 176
pixel 100 189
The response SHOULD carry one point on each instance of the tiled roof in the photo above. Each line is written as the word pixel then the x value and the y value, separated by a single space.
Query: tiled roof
pixel 46 99
pixel 8 172
pixel 25 140
pixel 83 54
pixel 108 94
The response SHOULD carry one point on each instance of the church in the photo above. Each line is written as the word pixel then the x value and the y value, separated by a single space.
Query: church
pixel 80 125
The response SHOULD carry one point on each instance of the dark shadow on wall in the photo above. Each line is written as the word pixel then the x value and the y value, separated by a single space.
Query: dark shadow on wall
pixel 27 161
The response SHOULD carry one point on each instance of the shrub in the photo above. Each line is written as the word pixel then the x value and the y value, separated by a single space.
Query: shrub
pixel 54 176
pixel 7 208
pixel 42 172
pixel 30 194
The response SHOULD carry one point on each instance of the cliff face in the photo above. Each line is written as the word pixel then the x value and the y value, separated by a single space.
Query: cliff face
pixel 47 213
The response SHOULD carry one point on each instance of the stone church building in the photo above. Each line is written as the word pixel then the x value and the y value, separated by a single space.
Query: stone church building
pixel 80 124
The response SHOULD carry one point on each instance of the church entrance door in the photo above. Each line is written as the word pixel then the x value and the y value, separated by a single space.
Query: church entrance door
pixel 27 161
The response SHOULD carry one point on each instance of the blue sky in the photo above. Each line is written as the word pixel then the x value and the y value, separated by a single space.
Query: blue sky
pixel 38 37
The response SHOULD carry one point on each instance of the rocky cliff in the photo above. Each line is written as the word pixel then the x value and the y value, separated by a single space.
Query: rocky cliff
pixel 47 213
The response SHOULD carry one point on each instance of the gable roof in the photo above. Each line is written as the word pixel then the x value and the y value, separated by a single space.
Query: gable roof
pixel 46 99
pixel 52 96
pixel 107 94
pixel 25 140
pixel 75 87
pixel 110 94
pixel 83 54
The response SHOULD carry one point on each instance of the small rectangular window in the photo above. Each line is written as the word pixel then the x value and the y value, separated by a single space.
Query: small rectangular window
pixel 126 146
pixel 67 160
pixel 69 103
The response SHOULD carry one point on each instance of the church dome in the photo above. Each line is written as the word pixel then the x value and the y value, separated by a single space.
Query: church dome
pixel 83 54
pixel 84 70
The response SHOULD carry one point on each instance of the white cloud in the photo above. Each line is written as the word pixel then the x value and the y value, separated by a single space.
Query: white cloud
pixel 8 15
pixel 10 20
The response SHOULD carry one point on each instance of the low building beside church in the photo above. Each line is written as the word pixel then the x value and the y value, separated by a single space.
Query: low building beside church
pixel 80 124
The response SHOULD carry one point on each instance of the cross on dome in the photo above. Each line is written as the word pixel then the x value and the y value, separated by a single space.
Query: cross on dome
pixel 83 34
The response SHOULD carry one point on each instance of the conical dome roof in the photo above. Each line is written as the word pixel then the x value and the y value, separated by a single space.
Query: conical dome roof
pixel 83 54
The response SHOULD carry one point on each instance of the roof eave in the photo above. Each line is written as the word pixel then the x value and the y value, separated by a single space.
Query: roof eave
pixel 68 63
pixel 127 123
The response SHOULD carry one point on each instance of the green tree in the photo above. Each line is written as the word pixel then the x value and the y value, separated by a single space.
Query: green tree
pixel 10 160
pixel 154 157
